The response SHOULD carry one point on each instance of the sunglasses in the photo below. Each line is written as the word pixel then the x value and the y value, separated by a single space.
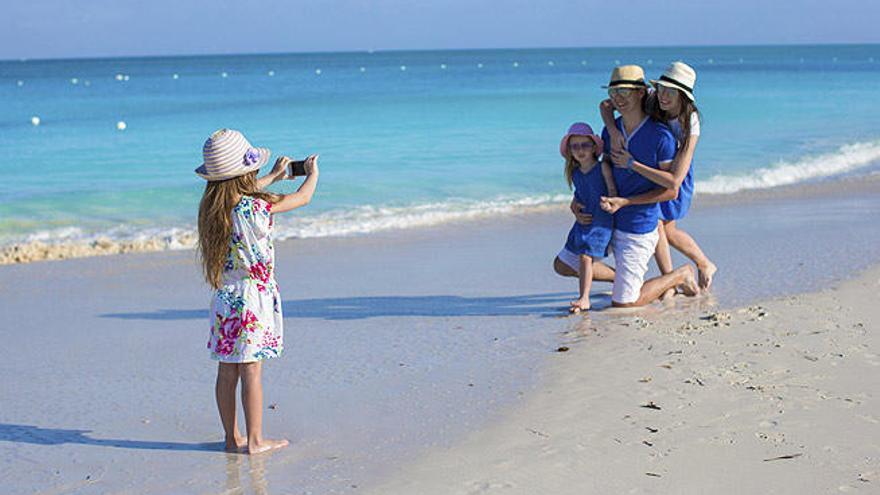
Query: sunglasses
pixel 624 92
pixel 586 145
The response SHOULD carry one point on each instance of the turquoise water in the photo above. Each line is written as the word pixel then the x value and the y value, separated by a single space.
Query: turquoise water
pixel 406 138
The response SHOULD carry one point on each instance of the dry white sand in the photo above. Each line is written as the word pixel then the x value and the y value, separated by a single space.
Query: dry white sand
pixel 780 397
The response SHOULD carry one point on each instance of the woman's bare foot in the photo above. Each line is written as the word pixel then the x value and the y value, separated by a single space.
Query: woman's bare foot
pixel 689 287
pixel 582 304
pixel 266 445
pixel 239 444
pixel 705 274
pixel 669 294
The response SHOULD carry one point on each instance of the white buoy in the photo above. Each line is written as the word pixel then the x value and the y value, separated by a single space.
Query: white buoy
pixel 550 63
pixel 74 80
pixel 126 78
pixel 443 66
pixel 121 125
pixel 35 120
pixel 271 73
pixel 516 64
pixel 363 69
pixel 119 77
pixel 224 75
pixel 175 76
pixel 480 66
pixel 318 71
pixel 403 67
pixel 20 83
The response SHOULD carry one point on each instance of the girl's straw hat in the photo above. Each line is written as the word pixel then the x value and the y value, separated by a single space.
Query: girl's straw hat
pixel 627 76
pixel 680 76
pixel 580 129
pixel 228 154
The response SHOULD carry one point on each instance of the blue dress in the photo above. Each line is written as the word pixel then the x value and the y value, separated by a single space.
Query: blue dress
pixel 676 209
pixel 594 239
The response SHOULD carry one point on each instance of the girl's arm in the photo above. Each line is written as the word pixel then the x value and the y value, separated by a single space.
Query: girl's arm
pixel 304 194
pixel 670 180
pixel 279 172
pixel 609 177
pixel 660 194
pixel 606 109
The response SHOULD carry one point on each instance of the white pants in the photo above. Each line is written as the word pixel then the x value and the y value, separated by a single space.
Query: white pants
pixel 632 252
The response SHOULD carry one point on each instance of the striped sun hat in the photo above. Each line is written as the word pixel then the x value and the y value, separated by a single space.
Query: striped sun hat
pixel 228 154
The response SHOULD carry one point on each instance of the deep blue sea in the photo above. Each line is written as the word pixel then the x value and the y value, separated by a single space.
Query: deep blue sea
pixel 405 138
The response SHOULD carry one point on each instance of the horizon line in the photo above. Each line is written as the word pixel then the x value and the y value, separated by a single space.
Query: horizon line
pixel 398 50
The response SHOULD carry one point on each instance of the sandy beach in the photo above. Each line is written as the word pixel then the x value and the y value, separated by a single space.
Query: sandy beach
pixel 777 397
pixel 426 361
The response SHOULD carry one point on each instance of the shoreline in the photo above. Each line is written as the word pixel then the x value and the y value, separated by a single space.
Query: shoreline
pixel 777 397
pixel 180 239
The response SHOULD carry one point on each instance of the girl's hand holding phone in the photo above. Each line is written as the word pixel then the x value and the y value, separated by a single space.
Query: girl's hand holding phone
pixel 299 168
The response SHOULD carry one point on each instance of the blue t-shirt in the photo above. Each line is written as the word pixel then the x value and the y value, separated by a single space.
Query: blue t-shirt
pixel 651 144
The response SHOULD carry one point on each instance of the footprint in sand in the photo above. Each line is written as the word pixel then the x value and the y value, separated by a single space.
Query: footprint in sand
pixel 476 487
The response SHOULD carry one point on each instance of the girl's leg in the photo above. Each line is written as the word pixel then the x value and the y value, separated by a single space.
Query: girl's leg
pixel 682 241
pixel 585 281
pixel 224 390
pixel 252 400
pixel 562 269
pixel 663 257
pixel 601 271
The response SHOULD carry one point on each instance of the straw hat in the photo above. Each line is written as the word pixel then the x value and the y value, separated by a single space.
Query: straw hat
pixel 580 129
pixel 680 76
pixel 627 76
pixel 227 154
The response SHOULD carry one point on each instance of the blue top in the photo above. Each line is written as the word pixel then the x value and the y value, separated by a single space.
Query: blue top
pixel 592 239
pixel 650 144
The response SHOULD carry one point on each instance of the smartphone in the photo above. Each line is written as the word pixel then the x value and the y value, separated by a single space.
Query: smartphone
pixel 296 168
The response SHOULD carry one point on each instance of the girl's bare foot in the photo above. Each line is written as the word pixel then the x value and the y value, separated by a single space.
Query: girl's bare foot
pixel 705 274
pixel 582 304
pixel 689 287
pixel 239 444
pixel 266 445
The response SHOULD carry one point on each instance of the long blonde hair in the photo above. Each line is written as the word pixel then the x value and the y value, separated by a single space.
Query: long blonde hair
pixel 215 221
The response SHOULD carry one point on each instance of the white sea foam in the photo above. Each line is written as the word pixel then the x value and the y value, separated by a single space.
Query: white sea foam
pixel 368 219
pixel 71 242
pixel 847 158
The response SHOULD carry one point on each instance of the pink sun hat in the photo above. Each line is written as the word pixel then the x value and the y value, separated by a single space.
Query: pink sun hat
pixel 580 129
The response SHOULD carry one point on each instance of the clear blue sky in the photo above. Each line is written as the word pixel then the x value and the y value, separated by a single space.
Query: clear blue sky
pixel 93 28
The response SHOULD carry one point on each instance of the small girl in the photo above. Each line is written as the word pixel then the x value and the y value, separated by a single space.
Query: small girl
pixel 587 241
pixel 238 260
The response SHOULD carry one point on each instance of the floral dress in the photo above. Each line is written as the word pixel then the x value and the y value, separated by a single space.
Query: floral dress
pixel 246 321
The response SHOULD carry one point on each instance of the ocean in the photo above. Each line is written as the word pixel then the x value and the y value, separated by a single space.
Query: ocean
pixel 406 139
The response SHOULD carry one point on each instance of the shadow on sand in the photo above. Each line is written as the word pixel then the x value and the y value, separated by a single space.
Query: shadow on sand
pixel 548 305
pixel 56 436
